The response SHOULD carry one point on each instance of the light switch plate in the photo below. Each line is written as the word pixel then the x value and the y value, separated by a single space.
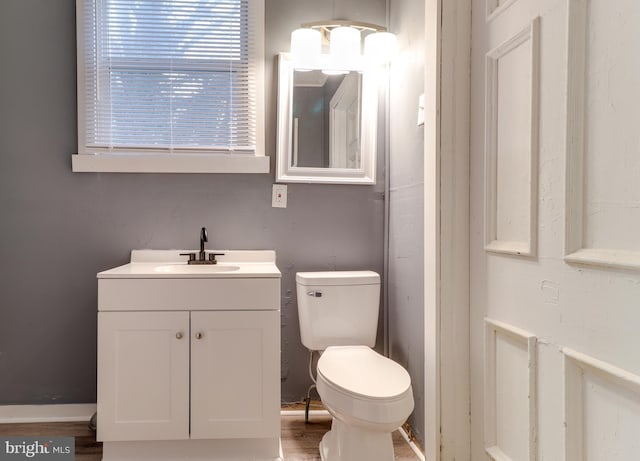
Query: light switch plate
pixel 279 196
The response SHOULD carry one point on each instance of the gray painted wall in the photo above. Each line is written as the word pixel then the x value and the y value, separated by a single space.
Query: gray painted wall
pixel 59 228
pixel 406 201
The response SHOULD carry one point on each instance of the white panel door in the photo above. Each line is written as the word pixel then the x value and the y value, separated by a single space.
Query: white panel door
pixel 235 374
pixel 344 124
pixel 555 230
pixel 143 376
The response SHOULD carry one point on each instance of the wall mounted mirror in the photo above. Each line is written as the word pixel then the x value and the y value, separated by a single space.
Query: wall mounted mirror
pixel 326 125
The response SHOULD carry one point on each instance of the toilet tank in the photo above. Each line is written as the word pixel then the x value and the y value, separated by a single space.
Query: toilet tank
pixel 338 308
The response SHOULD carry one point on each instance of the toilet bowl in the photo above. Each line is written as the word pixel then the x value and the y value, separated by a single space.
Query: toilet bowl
pixel 369 396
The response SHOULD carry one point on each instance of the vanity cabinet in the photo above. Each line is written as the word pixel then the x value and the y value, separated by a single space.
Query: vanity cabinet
pixel 189 360
pixel 180 375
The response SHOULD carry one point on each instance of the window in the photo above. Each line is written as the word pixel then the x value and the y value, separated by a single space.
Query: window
pixel 170 86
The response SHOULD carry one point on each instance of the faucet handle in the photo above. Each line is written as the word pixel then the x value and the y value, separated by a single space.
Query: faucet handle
pixel 212 257
pixel 192 256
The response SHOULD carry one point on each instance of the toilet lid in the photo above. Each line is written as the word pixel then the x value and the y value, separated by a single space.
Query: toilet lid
pixel 341 278
pixel 360 370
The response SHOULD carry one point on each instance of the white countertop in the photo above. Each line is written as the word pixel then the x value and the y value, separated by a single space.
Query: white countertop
pixel 169 264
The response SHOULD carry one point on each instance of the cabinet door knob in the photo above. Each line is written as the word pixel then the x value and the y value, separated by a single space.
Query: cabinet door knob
pixel 179 335
pixel 198 335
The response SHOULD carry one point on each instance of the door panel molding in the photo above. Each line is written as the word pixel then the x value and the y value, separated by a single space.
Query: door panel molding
pixel 497 7
pixel 600 394
pixel 507 228
pixel 496 331
pixel 577 249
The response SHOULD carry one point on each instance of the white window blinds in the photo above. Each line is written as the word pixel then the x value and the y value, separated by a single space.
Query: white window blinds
pixel 170 76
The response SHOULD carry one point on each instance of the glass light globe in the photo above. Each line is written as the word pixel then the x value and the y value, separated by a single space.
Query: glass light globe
pixel 306 46
pixel 345 46
pixel 380 47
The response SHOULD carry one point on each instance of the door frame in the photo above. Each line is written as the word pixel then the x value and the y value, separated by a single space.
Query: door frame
pixel 446 229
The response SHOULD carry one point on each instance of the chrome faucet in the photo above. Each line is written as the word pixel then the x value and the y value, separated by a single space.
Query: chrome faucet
pixel 202 255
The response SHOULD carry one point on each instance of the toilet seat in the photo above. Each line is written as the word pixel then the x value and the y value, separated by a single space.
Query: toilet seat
pixel 363 373
pixel 362 387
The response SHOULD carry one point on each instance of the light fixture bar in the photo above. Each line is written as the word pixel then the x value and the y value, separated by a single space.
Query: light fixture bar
pixel 329 24
pixel 344 38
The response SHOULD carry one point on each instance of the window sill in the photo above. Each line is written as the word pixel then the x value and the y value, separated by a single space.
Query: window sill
pixel 169 163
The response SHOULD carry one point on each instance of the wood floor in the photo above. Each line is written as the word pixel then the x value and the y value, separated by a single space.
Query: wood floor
pixel 299 440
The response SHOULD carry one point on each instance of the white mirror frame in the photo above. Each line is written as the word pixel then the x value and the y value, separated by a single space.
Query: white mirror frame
pixel 366 174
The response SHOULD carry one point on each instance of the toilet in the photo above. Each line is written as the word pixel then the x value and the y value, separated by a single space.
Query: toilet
pixel 368 395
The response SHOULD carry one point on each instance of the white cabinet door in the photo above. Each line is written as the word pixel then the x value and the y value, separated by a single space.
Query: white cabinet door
pixel 235 374
pixel 143 376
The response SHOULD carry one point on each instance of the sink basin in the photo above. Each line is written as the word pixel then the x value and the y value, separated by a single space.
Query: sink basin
pixel 194 268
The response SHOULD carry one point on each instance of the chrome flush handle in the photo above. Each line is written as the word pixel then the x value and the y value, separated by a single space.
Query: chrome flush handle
pixel 315 294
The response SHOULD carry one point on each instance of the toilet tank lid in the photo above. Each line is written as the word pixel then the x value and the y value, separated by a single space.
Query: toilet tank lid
pixel 338 278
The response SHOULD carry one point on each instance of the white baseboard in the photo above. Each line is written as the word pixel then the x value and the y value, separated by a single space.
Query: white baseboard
pixel 413 446
pixel 46 413
pixel 77 412
pixel 301 413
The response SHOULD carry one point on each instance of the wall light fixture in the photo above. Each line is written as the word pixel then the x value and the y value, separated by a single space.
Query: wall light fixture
pixel 343 40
